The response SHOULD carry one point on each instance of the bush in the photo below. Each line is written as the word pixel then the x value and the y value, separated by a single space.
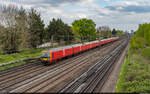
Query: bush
pixel 28 53
pixel 144 32
pixel 136 43
pixel 134 75
pixel 135 72
pixel 146 52
pixel 136 86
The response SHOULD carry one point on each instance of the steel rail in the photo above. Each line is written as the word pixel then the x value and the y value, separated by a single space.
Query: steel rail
pixel 80 85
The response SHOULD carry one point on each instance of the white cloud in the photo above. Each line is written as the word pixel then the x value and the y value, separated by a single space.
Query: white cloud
pixel 121 13
pixel 107 0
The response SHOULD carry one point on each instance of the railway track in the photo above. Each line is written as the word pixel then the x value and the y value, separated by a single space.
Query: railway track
pixel 37 63
pixel 26 79
pixel 93 79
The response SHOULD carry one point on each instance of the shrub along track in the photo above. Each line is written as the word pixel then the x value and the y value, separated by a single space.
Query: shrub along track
pixel 36 77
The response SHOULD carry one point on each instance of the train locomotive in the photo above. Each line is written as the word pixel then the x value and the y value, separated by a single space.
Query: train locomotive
pixel 54 54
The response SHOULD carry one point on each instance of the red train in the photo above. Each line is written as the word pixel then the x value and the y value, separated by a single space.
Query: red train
pixel 51 55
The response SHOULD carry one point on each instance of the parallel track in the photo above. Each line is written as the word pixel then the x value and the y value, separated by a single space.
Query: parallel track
pixel 95 76
pixel 27 76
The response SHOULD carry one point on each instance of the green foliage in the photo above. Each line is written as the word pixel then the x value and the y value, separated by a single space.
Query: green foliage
pixel 10 35
pixel 10 40
pixel 119 32
pixel 134 75
pixel 114 32
pixel 69 36
pixel 28 53
pixel 136 43
pixel 36 28
pixel 141 38
pixel 104 32
pixel 11 65
pixel 20 29
pixel 84 29
pixel 141 35
pixel 146 52
pixel 59 30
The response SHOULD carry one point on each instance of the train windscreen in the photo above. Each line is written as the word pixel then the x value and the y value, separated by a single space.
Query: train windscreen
pixel 45 55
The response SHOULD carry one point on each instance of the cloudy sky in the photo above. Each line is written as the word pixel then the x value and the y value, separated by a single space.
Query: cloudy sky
pixel 120 14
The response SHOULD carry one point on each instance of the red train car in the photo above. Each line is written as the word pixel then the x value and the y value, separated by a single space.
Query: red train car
pixel 77 48
pixel 49 56
pixel 67 51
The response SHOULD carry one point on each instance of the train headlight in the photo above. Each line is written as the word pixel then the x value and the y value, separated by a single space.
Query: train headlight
pixel 45 59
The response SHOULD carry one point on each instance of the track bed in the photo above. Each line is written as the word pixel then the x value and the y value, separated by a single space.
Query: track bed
pixel 35 77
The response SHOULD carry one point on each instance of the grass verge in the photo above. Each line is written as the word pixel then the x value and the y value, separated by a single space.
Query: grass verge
pixel 135 74
pixel 29 53
pixel 11 65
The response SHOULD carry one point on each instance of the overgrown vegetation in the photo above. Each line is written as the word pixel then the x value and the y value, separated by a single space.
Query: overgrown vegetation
pixel 141 39
pixel 135 75
pixel 146 52
pixel 28 53
pixel 135 72
pixel 11 65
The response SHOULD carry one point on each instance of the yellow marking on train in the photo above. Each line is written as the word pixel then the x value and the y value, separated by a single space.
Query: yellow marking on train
pixel 45 59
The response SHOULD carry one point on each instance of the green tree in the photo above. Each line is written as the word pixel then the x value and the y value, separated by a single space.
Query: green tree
pixel 114 32
pixel 1 32
pixel 36 28
pixel 46 35
pixel 119 32
pixel 22 28
pixel 59 30
pixel 104 32
pixel 84 29
pixel 69 36
pixel 10 37
pixel 144 32
pixel 141 37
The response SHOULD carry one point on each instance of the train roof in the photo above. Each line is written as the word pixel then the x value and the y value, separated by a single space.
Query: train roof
pixel 75 45
pixel 70 46
pixel 63 47
pixel 107 39
pixel 60 48
pixel 94 41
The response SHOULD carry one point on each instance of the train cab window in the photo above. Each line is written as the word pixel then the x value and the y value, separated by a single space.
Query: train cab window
pixel 45 55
